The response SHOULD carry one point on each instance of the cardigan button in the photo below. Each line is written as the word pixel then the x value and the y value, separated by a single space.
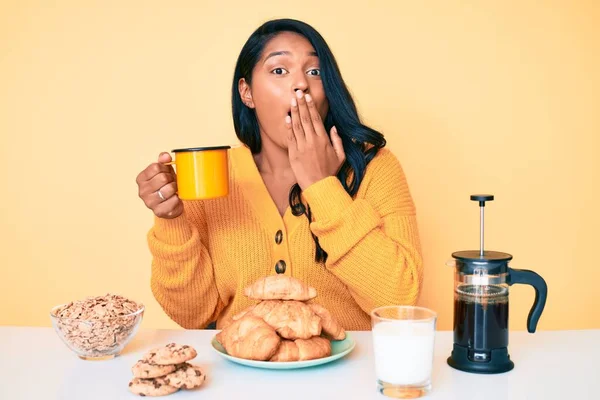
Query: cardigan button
pixel 278 237
pixel 280 267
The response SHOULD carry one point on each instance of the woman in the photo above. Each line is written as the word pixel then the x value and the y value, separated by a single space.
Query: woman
pixel 313 195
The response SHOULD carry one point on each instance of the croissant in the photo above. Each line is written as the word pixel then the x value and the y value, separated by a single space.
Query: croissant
pixel 315 347
pixel 280 287
pixel 331 328
pixel 264 308
pixel 251 338
pixel 291 319
pixel 301 349
pixel 287 351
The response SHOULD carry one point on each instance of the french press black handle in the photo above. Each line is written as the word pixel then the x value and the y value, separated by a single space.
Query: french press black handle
pixel 526 277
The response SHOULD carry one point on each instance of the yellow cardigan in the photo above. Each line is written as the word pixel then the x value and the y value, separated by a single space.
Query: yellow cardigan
pixel 203 259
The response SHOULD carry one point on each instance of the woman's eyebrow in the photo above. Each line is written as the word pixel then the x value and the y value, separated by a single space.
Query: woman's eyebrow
pixel 287 53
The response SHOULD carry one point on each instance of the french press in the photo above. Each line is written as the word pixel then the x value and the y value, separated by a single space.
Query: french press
pixel 481 282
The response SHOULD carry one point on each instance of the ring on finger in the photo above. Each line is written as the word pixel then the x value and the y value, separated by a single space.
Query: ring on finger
pixel 162 197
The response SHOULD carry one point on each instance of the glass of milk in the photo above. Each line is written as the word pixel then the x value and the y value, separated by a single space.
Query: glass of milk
pixel 403 340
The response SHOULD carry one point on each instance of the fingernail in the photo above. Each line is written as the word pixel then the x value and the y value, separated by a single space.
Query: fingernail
pixel 308 98
pixel 294 102
pixel 288 119
pixel 299 94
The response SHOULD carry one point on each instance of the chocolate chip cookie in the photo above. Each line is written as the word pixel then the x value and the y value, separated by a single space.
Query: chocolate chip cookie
pixel 151 387
pixel 170 354
pixel 143 369
pixel 186 376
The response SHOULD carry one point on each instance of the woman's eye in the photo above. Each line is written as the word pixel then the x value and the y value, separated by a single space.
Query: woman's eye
pixel 314 72
pixel 279 71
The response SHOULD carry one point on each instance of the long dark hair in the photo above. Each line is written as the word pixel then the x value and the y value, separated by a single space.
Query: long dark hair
pixel 361 143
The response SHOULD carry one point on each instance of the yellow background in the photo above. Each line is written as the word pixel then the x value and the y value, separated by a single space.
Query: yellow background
pixel 498 97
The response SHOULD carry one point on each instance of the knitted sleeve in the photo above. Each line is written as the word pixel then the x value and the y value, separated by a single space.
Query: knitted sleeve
pixel 372 241
pixel 182 278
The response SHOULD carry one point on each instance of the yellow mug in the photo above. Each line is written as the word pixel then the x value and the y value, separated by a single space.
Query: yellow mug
pixel 202 172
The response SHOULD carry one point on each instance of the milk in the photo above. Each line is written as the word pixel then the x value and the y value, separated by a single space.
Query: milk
pixel 403 351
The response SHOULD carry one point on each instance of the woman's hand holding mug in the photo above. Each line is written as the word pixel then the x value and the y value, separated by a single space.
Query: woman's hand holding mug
pixel 157 186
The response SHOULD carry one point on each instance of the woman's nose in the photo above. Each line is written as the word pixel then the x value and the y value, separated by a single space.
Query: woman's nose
pixel 300 83
pixel 303 89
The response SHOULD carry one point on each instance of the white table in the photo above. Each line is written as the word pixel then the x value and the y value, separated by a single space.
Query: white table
pixel 36 365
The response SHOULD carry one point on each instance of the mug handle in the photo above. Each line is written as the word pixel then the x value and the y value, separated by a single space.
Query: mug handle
pixel 527 277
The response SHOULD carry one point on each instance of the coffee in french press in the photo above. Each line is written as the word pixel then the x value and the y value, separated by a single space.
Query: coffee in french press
pixel 481 282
